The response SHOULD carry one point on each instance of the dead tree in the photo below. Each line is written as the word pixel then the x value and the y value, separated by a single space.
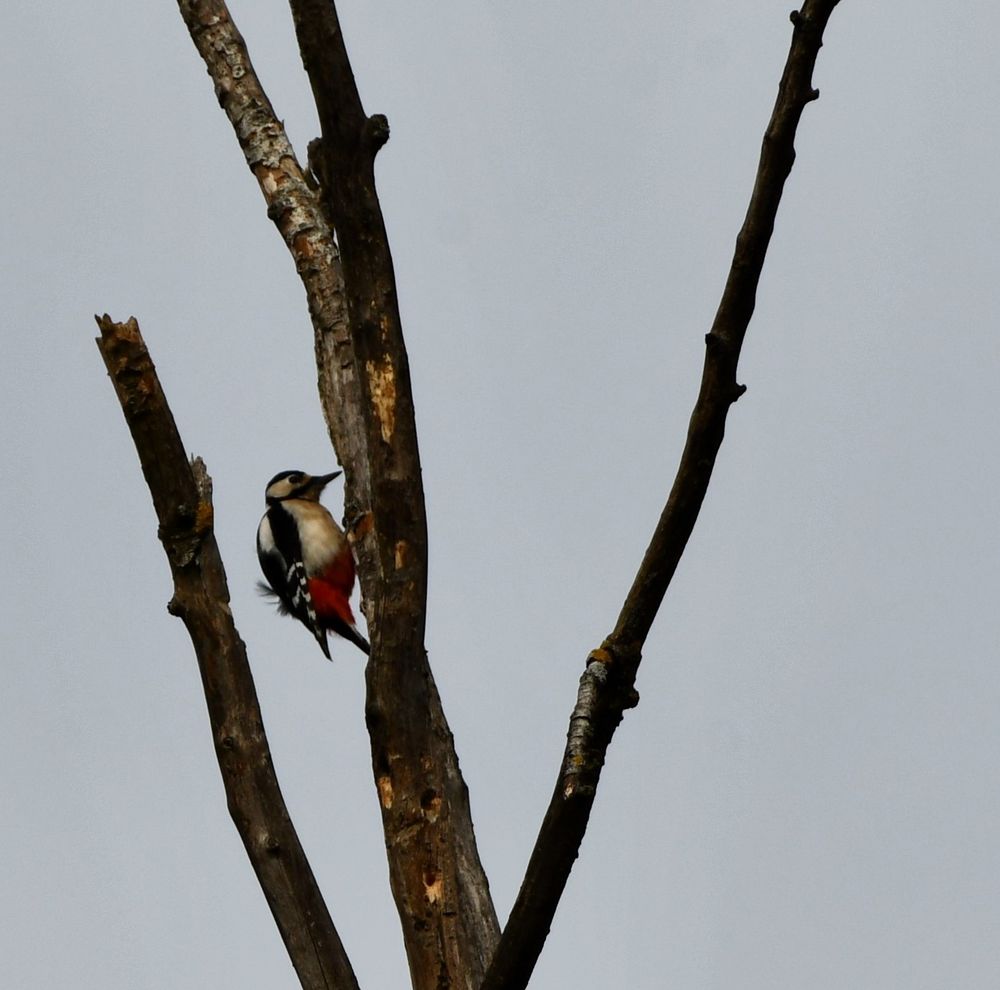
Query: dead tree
pixel 329 216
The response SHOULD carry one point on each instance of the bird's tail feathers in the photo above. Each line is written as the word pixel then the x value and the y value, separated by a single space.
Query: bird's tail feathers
pixel 266 591
pixel 357 639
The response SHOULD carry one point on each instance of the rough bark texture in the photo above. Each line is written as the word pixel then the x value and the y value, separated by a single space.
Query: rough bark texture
pixel 607 685
pixel 449 923
pixel 295 209
pixel 182 497
pixel 441 891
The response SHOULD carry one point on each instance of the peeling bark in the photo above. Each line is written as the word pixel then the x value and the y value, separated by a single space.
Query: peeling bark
pixel 441 891
pixel 294 207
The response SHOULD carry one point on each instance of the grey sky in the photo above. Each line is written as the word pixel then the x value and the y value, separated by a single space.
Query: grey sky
pixel 807 795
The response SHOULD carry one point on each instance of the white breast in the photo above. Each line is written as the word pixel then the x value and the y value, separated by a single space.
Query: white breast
pixel 321 538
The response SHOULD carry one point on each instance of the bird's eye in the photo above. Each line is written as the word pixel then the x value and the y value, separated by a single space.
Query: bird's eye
pixel 294 479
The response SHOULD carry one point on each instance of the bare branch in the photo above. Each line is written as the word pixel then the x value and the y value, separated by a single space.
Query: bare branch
pixel 182 496
pixel 607 685
pixel 441 891
pixel 295 209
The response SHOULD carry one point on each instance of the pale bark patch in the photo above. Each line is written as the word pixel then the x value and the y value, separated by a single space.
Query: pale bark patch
pixel 382 379
pixel 384 784
pixel 433 886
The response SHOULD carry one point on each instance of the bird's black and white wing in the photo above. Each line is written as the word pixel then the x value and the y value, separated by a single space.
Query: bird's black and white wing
pixel 280 556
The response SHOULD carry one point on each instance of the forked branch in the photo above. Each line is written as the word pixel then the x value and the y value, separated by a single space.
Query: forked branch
pixel 607 687
pixel 182 497
pixel 295 210
pixel 449 925
pixel 448 920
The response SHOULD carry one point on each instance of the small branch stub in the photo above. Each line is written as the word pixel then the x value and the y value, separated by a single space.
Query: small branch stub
pixel 376 132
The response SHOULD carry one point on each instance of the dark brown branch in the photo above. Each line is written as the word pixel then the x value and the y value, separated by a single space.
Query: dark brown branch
pixel 607 685
pixel 182 497
pixel 441 891
pixel 449 923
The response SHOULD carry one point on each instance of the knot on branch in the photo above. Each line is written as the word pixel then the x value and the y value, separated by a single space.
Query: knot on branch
pixel 801 21
pixel 608 682
pixel 376 132
pixel 183 534
pixel 622 664
pixel 600 655
pixel 716 344
pixel 810 26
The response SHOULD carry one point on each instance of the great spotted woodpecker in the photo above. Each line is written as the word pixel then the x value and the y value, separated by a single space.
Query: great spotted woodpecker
pixel 306 558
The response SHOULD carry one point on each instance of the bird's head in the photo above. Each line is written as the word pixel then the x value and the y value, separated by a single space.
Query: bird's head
pixel 297 484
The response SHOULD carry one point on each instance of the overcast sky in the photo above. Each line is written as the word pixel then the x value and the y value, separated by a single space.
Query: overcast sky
pixel 807 794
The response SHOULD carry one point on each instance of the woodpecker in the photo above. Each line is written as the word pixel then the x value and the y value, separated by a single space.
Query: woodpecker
pixel 306 558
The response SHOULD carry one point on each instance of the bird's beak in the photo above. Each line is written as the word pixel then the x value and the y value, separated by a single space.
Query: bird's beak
pixel 320 481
